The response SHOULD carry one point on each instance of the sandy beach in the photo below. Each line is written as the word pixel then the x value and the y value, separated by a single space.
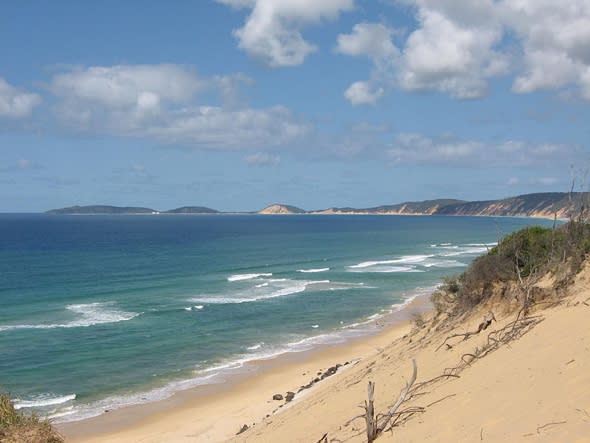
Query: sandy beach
pixel 537 388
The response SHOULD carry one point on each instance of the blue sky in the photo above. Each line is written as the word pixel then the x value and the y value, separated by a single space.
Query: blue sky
pixel 236 104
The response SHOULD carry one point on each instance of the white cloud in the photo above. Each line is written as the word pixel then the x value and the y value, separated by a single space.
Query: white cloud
pixel 272 31
pixel 449 55
pixel 457 46
pixel 219 128
pixel 127 86
pixel 360 93
pixel 555 43
pixel 368 39
pixel 160 101
pixel 450 150
pixel 263 159
pixel 15 103
pixel 372 40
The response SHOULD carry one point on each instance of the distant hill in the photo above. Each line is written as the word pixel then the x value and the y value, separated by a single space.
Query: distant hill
pixel 546 204
pixel 192 210
pixel 281 209
pixel 102 209
pixel 427 207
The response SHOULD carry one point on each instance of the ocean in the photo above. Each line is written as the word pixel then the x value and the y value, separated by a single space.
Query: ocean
pixel 98 312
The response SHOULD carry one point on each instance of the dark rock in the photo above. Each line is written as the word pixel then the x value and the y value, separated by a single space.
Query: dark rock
pixel 290 396
pixel 277 397
pixel 243 429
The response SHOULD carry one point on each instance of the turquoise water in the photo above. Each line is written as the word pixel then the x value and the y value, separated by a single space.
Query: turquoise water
pixel 104 311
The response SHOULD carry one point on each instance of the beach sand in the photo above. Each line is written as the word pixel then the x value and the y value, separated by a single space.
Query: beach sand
pixel 536 388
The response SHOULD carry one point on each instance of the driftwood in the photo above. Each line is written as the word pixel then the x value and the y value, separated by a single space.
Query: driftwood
pixel 376 424
pixel 370 413
pixel 486 322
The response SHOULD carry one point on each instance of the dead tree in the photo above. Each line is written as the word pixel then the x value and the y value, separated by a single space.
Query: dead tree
pixel 376 424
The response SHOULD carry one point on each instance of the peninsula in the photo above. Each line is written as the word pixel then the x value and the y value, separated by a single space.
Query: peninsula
pixel 546 205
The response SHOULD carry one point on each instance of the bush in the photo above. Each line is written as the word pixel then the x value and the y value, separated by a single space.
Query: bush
pixel 532 251
pixel 17 427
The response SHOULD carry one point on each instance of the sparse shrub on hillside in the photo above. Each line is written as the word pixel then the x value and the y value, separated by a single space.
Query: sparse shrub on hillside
pixel 528 253
pixel 17 427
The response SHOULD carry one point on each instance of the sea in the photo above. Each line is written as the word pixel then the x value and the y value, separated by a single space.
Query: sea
pixel 98 312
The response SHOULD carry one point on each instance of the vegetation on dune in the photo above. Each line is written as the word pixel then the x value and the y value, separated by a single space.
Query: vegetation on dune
pixel 518 259
pixel 17 427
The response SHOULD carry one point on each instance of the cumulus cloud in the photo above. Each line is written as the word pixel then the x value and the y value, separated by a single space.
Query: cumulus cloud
pixel 219 128
pixel 15 103
pixel 372 40
pixel 272 32
pixel 360 93
pixel 140 87
pixel 457 46
pixel 263 159
pixel 447 55
pixel 160 101
pixel 555 43
pixel 450 150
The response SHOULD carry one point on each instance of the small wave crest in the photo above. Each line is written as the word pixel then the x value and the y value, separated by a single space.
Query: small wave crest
pixel 275 288
pixel 242 277
pixel 313 270
pixel 88 314
pixel 404 260
pixel 43 400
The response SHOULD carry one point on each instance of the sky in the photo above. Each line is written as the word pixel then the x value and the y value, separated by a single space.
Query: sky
pixel 237 104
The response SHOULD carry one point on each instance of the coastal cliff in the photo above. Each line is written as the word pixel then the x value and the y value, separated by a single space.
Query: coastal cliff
pixel 548 205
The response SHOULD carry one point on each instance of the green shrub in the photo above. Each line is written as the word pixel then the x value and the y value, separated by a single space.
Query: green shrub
pixel 17 427
pixel 532 251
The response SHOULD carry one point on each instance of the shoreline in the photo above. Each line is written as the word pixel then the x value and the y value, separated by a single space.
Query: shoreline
pixel 249 391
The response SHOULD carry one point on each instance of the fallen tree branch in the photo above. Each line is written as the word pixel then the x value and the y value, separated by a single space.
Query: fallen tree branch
pixel 402 397
pixel 550 424
pixel 487 321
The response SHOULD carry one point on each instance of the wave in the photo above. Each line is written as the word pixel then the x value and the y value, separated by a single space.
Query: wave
pixel 279 288
pixel 444 264
pixel 242 277
pixel 43 400
pixel 89 314
pixel 313 270
pixel 467 250
pixel 255 347
pixel 404 260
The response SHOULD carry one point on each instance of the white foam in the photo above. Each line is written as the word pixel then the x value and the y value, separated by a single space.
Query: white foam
pixel 467 250
pixel 255 347
pixel 315 326
pixel 404 260
pixel 199 307
pixel 278 288
pixel 313 270
pixel 89 314
pixel 388 269
pixel 444 264
pixel 43 400
pixel 241 277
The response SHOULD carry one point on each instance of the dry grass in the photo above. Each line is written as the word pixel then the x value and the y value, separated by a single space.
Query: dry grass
pixel 17 427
